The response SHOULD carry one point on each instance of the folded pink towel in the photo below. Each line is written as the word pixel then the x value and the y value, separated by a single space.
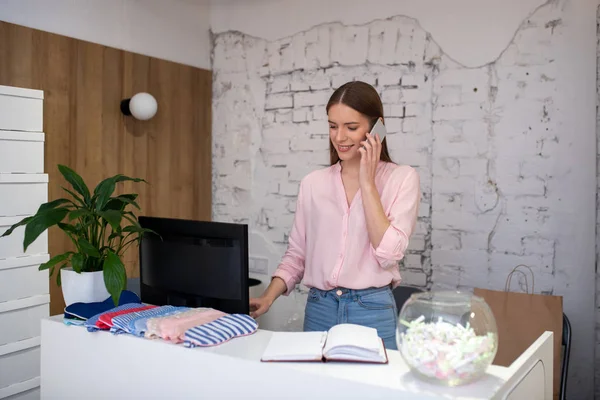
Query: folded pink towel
pixel 173 327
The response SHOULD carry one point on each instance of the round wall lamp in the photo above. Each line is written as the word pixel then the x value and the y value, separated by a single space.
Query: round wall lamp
pixel 142 106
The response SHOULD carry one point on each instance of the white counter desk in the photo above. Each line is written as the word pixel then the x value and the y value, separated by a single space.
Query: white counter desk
pixel 77 364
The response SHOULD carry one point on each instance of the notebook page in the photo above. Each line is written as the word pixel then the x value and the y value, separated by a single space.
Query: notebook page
pixel 295 346
pixel 356 354
pixel 353 336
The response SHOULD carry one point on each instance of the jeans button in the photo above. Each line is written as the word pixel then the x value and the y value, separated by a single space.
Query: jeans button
pixel 339 292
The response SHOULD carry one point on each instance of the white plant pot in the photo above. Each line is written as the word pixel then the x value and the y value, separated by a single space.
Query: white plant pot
pixel 85 287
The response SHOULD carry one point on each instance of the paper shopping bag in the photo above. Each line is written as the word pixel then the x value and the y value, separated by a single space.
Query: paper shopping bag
pixel 521 319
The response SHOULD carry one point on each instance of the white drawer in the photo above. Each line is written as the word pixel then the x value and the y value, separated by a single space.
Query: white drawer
pixel 21 109
pixel 19 362
pixel 28 390
pixel 12 245
pixel 20 278
pixel 21 319
pixel 21 152
pixel 22 194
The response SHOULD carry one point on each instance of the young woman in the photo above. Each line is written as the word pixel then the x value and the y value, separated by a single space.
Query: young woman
pixel 352 225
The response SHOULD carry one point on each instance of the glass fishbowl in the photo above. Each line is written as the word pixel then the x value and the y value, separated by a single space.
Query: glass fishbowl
pixel 448 338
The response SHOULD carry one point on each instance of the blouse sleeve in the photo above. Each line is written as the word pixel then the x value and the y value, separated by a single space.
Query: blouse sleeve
pixel 402 215
pixel 291 267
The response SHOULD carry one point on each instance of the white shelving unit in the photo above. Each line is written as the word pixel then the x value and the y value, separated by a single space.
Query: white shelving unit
pixel 24 291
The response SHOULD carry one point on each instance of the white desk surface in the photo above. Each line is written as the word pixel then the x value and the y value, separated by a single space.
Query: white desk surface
pixel 79 364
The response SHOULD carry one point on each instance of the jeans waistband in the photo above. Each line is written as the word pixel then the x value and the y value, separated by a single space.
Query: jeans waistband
pixel 340 291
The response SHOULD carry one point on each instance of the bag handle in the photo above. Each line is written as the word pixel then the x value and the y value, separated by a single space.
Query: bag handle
pixel 515 269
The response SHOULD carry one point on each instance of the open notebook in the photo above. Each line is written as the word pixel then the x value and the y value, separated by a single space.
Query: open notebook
pixel 344 342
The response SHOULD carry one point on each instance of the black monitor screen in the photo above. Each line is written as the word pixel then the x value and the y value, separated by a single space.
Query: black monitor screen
pixel 194 264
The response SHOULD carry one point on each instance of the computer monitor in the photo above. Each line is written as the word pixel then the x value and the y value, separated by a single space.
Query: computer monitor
pixel 194 264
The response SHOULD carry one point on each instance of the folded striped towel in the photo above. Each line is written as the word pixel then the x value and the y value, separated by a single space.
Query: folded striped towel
pixel 220 330
pixel 105 320
pixel 173 327
pixel 90 324
pixel 135 323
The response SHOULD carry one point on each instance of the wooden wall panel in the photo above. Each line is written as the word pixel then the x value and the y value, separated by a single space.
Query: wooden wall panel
pixel 83 85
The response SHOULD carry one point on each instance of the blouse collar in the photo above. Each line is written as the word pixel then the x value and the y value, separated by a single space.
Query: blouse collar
pixel 337 167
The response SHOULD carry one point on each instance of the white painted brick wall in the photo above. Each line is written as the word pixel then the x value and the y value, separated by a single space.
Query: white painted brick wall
pixel 344 38
pixel 304 99
pixel 483 139
pixel 279 100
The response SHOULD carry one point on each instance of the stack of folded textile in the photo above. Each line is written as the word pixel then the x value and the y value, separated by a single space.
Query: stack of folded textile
pixel 193 327
pixel 79 313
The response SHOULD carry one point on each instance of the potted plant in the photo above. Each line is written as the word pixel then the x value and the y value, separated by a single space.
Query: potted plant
pixel 101 229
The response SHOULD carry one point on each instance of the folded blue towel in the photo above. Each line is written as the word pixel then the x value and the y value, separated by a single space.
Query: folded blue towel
pixel 88 310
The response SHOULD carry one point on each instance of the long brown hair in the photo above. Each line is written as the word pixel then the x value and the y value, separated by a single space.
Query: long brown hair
pixel 362 97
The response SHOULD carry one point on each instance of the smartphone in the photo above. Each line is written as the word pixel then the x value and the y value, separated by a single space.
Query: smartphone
pixel 379 129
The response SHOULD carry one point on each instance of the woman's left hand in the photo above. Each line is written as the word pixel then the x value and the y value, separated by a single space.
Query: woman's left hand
pixel 370 152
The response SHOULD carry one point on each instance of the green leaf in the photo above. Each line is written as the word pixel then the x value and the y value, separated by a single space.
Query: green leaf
pixel 53 204
pixel 69 228
pixel 129 196
pixel 76 197
pixel 76 181
pixel 58 278
pixel 113 217
pixel 54 260
pixel 129 200
pixel 87 248
pixel 77 262
pixel 106 188
pixel 120 202
pixel 134 228
pixel 22 222
pixel 103 192
pixel 115 235
pixel 115 204
pixel 123 178
pixel 154 233
pixel 42 221
pixel 138 229
pixel 131 218
pixel 114 276
pixel 78 213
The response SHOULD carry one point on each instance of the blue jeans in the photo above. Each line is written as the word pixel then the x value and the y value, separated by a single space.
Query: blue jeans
pixel 374 307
